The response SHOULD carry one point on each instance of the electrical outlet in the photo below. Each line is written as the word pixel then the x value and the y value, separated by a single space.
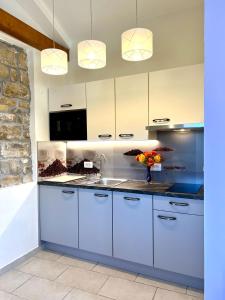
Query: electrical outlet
pixel 156 167
pixel 88 164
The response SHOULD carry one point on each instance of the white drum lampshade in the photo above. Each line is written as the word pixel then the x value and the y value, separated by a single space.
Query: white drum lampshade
pixel 137 44
pixel 91 54
pixel 54 61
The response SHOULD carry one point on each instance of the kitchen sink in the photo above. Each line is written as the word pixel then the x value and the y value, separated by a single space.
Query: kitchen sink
pixel 136 184
pixel 109 181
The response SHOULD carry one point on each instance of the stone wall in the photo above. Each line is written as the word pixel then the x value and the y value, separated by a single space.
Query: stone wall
pixel 15 145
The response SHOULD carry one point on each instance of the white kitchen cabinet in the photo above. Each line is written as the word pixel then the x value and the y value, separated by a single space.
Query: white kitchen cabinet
pixel 101 110
pixel 132 107
pixel 59 215
pixel 176 96
pixel 95 221
pixel 178 242
pixel 132 227
pixel 67 97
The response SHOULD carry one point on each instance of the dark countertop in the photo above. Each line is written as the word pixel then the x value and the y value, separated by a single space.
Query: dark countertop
pixel 131 186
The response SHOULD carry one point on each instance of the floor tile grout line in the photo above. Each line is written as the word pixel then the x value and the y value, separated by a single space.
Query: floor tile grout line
pixel 107 279
pixel 164 288
pixel 31 276
pixel 67 268
pixel 113 276
pixel 67 293
pixel 155 294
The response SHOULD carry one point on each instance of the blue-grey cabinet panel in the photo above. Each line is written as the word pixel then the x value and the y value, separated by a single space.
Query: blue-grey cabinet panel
pixel 59 215
pixel 95 221
pixel 179 205
pixel 132 227
pixel 178 243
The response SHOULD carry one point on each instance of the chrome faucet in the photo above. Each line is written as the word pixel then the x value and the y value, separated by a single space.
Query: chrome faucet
pixel 101 158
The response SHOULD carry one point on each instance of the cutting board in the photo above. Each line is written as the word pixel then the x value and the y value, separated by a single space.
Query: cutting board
pixel 65 178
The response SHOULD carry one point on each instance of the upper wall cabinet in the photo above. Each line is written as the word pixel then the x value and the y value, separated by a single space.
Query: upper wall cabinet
pixel 132 107
pixel 176 96
pixel 101 110
pixel 67 97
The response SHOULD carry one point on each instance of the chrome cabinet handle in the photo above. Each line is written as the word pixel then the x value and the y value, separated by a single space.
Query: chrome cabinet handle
pixel 101 195
pixel 161 121
pixel 66 105
pixel 104 136
pixel 68 192
pixel 178 203
pixel 131 199
pixel 167 218
pixel 126 135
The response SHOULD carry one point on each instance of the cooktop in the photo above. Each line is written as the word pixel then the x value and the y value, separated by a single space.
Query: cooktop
pixel 185 188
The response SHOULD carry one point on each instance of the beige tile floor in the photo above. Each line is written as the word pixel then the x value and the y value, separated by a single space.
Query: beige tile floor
pixel 51 276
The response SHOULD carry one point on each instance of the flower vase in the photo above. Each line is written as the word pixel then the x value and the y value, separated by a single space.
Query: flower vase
pixel 149 176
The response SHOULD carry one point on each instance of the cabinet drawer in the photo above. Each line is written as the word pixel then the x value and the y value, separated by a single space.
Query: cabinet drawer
pixel 180 205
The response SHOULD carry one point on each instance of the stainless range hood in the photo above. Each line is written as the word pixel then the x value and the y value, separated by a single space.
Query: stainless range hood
pixel 153 130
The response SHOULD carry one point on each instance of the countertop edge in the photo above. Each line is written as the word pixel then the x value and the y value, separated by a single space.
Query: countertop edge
pixel 199 196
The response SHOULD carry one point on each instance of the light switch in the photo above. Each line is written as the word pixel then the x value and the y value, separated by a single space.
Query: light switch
pixel 156 167
pixel 88 164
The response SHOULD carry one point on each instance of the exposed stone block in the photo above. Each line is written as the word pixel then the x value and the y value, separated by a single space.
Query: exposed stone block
pixel 15 146
pixel 15 90
pixel 24 104
pixel 4 72
pixel 10 132
pixel 17 150
pixel 22 60
pixel 10 180
pixel 23 118
pixel 27 178
pixel 14 74
pixel 7 117
pixel 8 55
pixel 7 104
pixel 24 77
pixel 13 167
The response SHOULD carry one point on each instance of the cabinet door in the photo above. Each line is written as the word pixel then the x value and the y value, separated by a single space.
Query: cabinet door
pixel 67 97
pixel 95 221
pixel 178 243
pixel 132 107
pixel 177 95
pixel 59 215
pixel 132 228
pixel 101 110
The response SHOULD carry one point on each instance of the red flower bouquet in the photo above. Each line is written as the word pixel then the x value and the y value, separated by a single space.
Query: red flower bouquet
pixel 148 159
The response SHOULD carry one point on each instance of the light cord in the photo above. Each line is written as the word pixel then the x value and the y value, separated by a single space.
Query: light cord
pixel 53 23
pixel 136 13
pixel 91 15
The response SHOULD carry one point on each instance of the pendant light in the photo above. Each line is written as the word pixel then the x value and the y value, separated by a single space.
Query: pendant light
pixel 91 53
pixel 54 61
pixel 137 43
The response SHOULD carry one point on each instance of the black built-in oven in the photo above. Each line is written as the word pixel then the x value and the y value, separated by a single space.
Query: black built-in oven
pixel 70 125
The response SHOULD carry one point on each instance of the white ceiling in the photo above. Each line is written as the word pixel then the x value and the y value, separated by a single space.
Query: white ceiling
pixel 177 26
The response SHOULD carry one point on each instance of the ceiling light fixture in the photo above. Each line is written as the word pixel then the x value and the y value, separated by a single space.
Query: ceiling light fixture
pixel 54 61
pixel 91 53
pixel 137 43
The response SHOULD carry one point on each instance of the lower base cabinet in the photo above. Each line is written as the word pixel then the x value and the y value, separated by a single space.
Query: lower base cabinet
pixel 132 227
pixel 125 226
pixel 95 221
pixel 178 243
pixel 59 215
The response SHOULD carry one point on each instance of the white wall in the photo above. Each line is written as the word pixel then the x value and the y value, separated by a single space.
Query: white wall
pixel 19 204
pixel 214 150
